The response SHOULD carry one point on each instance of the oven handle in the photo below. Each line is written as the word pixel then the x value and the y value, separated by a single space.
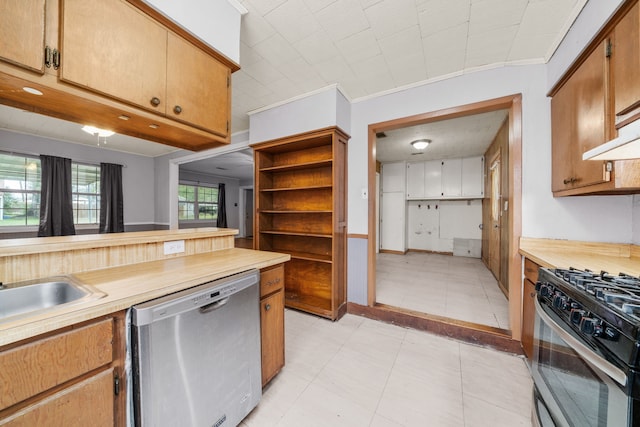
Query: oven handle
pixel 582 350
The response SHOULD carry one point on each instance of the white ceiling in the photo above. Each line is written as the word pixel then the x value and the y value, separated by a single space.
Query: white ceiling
pixel 291 47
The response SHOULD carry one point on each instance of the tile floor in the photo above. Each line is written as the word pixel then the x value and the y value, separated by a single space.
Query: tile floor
pixel 361 372
pixel 456 287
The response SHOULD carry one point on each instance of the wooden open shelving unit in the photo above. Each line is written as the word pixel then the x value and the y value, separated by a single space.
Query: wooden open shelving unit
pixel 300 200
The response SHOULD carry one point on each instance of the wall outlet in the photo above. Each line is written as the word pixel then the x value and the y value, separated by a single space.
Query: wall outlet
pixel 174 247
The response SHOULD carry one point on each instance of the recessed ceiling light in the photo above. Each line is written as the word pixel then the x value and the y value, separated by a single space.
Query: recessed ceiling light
pixel 154 126
pixel 420 144
pixel 124 117
pixel 32 91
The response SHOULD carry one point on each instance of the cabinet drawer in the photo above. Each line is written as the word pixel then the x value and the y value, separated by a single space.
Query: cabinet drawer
pixel 271 280
pixel 531 270
pixel 87 403
pixel 45 363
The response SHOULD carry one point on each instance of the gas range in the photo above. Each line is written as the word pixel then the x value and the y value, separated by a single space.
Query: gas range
pixel 602 308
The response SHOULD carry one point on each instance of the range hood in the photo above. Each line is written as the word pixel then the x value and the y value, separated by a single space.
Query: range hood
pixel 626 146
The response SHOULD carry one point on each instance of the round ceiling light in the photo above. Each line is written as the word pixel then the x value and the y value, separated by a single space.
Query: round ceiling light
pixel 97 131
pixel 420 144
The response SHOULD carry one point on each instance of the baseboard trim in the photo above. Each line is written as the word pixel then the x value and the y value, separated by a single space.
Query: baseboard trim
pixel 473 333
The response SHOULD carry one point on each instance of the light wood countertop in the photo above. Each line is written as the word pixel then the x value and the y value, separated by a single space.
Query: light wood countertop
pixel 132 284
pixel 12 247
pixel 611 257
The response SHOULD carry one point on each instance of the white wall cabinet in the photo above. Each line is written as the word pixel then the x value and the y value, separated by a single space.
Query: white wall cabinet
pixel 393 207
pixel 445 179
pixel 393 177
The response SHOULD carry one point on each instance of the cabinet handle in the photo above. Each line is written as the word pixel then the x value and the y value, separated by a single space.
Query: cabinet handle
pixel 47 57
pixel 177 109
pixel 56 59
pixel 155 101
pixel 570 180
pixel 267 307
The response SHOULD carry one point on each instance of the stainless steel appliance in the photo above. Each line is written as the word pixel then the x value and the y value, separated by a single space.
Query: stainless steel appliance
pixel 587 349
pixel 196 355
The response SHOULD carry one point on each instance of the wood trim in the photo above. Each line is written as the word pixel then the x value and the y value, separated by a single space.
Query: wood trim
pixel 595 43
pixel 357 236
pixel 514 104
pixel 472 333
pixel 388 251
pixel 425 251
pixel 184 33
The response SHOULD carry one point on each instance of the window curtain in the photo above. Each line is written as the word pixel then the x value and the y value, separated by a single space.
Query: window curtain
pixel 111 205
pixel 222 208
pixel 56 197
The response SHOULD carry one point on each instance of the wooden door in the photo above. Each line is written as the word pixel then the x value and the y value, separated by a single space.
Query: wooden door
pixel 495 215
pixel 22 31
pixel 625 62
pixel 112 48
pixel 197 87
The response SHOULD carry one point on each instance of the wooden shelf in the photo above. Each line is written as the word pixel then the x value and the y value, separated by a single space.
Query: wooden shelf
pixel 298 166
pixel 296 233
pixel 310 187
pixel 308 303
pixel 300 200
pixel 265 211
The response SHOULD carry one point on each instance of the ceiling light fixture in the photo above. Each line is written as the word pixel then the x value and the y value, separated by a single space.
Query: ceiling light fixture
pixel 420 144
pixel 97 131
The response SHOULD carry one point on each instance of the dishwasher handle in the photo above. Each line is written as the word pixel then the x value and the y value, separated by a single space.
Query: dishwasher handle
pixel 213 306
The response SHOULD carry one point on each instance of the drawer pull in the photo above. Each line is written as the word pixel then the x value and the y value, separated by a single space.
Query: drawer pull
pixel 177 109
pixel 267 307
pixel 155 101
pixel 273 282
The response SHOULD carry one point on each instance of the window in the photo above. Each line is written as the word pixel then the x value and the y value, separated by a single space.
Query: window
pixel 197 202
pixel 85 183
pixel 20 178
pixel 19 190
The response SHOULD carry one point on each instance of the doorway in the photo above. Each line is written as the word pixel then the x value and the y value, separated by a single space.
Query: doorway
pixel 512 232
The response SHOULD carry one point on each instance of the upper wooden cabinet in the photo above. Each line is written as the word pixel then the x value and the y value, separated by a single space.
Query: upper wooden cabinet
pixel 600 92
pixel 22 31
pixel 197 87
pixel 114 49
pixel 116 65
pixel 625 66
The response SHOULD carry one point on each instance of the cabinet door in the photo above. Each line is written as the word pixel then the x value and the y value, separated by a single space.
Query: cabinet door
pixel 392 221
pixel 197 87
pixel 473 177
pixel 433 179
pixel 528 317
pixel 452 177
pixel 22 26
pixel 272 335
pixel 112 48
pixel 415 180
pixel 590 110
pixel 625 62
pixel 87 403
pixel 393 177
pixel 562 131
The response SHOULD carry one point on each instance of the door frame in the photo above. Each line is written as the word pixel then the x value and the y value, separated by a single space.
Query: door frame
pixel 242 207
pixel 513 103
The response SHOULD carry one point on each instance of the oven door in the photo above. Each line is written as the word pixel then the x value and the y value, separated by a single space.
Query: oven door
pixel 574 385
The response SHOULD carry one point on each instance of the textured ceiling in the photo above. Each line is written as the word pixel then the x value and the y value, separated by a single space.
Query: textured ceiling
pixel 291 47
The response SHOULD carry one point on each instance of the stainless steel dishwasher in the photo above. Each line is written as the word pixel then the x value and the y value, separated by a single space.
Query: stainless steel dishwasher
pixel 196 355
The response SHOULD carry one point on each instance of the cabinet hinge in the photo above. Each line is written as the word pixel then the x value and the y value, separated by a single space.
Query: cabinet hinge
pixel 47 57
pixel 228 80
pixel 116 384
pixel 608 49
pixel 227 126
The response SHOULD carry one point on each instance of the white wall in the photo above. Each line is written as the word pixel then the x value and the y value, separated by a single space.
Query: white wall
pixel 217 23
pixel 137 176
pixel 324 108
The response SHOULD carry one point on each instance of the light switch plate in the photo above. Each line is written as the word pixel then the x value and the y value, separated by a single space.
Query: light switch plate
pixel 174 247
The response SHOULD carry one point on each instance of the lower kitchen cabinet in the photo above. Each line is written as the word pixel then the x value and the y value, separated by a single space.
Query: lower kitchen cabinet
pixel 272 321
pixel 528 306
pixel 70 377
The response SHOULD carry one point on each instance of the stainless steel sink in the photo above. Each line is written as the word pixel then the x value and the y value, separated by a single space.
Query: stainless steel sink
pixel 19 300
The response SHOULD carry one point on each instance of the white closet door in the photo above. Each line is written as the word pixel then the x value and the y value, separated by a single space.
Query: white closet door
pixel 392 221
